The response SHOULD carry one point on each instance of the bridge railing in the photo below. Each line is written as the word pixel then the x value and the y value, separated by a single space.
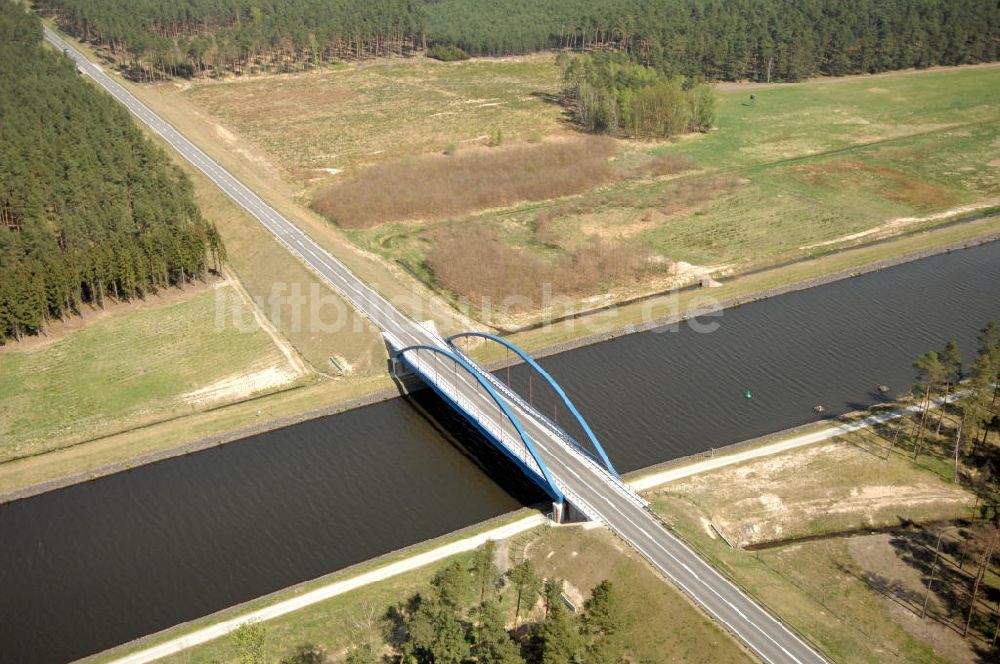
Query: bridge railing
pixel 579 503
pixel 572 445
pixel 431 374
pixel 555 429
pixel 560 393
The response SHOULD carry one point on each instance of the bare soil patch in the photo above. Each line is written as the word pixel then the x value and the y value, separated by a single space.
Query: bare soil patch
pixel 435 186
pixel 819 489
pixel 242 385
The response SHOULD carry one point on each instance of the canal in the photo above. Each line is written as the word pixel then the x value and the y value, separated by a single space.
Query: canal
pixel 97 564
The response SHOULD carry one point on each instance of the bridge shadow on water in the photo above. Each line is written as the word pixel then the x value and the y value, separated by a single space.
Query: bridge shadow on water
pixel 473 444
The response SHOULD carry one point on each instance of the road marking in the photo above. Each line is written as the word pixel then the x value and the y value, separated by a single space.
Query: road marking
pixel 371 304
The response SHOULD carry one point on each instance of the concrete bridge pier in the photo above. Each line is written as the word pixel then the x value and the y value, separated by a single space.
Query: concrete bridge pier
pixel 566 512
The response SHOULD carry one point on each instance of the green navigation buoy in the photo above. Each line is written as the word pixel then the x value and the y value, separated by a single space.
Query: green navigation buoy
pixel 749 394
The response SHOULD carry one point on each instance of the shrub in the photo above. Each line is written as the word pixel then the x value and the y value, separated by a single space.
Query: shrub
pixel 446 53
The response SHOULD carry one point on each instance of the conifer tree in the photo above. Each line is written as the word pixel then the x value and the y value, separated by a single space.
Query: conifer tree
pixel 89 208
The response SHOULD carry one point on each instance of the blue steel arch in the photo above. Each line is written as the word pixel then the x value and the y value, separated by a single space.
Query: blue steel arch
pixel 551 381
pixel 551 489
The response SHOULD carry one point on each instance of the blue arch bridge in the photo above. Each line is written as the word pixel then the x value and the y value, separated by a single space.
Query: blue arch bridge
pixel 582 483
pixel 514 425
pixel 572 477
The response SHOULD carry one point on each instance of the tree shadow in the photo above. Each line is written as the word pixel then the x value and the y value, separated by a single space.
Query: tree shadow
pixel 306 653
pixel 395 622
pixel 859 441
pixel 547 97
pixel 566 117
pixel 950 576
pixel 949 594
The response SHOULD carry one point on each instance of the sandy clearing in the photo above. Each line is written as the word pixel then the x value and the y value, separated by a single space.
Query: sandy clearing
pixel 224 133
pixel 766 516
pixel 870 498
pixel 239 386
pixel 655 479
pixel 754 502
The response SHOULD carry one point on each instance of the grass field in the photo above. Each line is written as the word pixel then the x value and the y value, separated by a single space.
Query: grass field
pixel 154 418
pixel 377 111
pixel 824 588
pixel 289 294
pixel 800 170
pixel 137 365
pixel 661 625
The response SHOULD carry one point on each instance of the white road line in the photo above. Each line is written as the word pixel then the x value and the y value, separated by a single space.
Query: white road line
pixel 553 449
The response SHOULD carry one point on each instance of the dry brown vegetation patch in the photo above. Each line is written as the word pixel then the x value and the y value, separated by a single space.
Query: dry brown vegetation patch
pixel 665 164
pixel 480 266
pixel 695 192
pixel 890 183
pixel 436 186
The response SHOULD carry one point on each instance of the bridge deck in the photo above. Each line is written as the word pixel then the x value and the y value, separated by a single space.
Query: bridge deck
pixel 586 484
pixel 602 497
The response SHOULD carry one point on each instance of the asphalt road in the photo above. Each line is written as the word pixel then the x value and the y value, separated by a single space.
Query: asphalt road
pixel 587 485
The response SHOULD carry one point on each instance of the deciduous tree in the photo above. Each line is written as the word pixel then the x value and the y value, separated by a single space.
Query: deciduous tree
pixel 249 643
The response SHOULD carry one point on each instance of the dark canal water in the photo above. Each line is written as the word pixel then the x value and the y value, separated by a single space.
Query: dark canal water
pixel 91 566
